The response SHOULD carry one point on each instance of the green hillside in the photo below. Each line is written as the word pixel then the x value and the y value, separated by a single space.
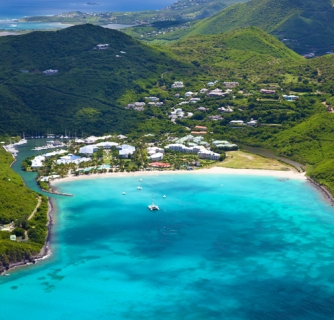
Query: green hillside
pixel 247 53
pixel 17 203
pixel 91 88
pixel 305 25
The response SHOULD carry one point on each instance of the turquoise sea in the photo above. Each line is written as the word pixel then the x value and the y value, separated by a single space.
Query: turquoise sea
pixel 16 9
pixel 221 247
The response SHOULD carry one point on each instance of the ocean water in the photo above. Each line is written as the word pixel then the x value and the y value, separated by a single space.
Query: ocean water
pixel 16 9
pixel 221 247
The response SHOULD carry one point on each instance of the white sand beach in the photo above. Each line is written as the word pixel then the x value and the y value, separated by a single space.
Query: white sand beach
pixel 215 170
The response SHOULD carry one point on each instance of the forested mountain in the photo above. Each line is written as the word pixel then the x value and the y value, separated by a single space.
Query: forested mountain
pixel 303 25
pixel 247 53
pixel 91 87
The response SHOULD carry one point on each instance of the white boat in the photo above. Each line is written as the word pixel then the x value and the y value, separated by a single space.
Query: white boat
pixel 139 188
pixel 123 193
pixel 164 196
pixel 153 206
pixel 140 180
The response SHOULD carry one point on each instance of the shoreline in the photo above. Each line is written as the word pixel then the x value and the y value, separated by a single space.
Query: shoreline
pixel 323 190
pixel 44 253
pixel 290 174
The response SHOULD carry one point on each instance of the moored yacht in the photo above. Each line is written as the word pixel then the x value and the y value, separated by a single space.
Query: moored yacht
pixel 153 206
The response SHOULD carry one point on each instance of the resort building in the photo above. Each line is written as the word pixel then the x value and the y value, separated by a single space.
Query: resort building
pixel 70 158
pixel 93 139
pixel 209 155
pixel 201 151
pixel 88 150
pixel 225 145
pixel 153 150
pixel 37 162
pixel 159 165
pixel 54 153
pixel 125 150
pixel 156 156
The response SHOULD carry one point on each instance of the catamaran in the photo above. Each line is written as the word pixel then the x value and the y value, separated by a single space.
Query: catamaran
pixel 153 206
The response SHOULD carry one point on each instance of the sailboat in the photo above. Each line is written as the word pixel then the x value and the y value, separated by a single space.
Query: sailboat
pixel 153 206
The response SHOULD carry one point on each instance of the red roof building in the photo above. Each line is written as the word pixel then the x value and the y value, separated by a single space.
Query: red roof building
pixel 159 165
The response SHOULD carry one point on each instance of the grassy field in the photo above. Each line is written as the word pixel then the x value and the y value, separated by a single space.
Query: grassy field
pixel 244 160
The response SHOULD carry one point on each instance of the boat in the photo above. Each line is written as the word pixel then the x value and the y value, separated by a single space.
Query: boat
pixel 123 193
pixel 153 206
pixel 164 196
pixel 140 180
pixel 139 188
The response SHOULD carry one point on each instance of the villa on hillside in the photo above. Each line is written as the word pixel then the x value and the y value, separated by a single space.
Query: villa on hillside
pixel 228 109
pixel 237 122
pixel 138 106
pixel 290 97
pixel 50 72
pixel 201 128
pixel 190 94
pixel 177 85
pixel 102 46
pixel 267 91
pixel 215 118
pixel 231 84
pixel 216 93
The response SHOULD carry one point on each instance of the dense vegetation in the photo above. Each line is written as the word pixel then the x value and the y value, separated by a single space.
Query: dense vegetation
pixel 305 25
pixel 89 92
pixel 17 203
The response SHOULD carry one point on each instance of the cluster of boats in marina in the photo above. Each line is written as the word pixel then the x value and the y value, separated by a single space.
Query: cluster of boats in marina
pixel 152 206
pixel 50 145
pixel 11 147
